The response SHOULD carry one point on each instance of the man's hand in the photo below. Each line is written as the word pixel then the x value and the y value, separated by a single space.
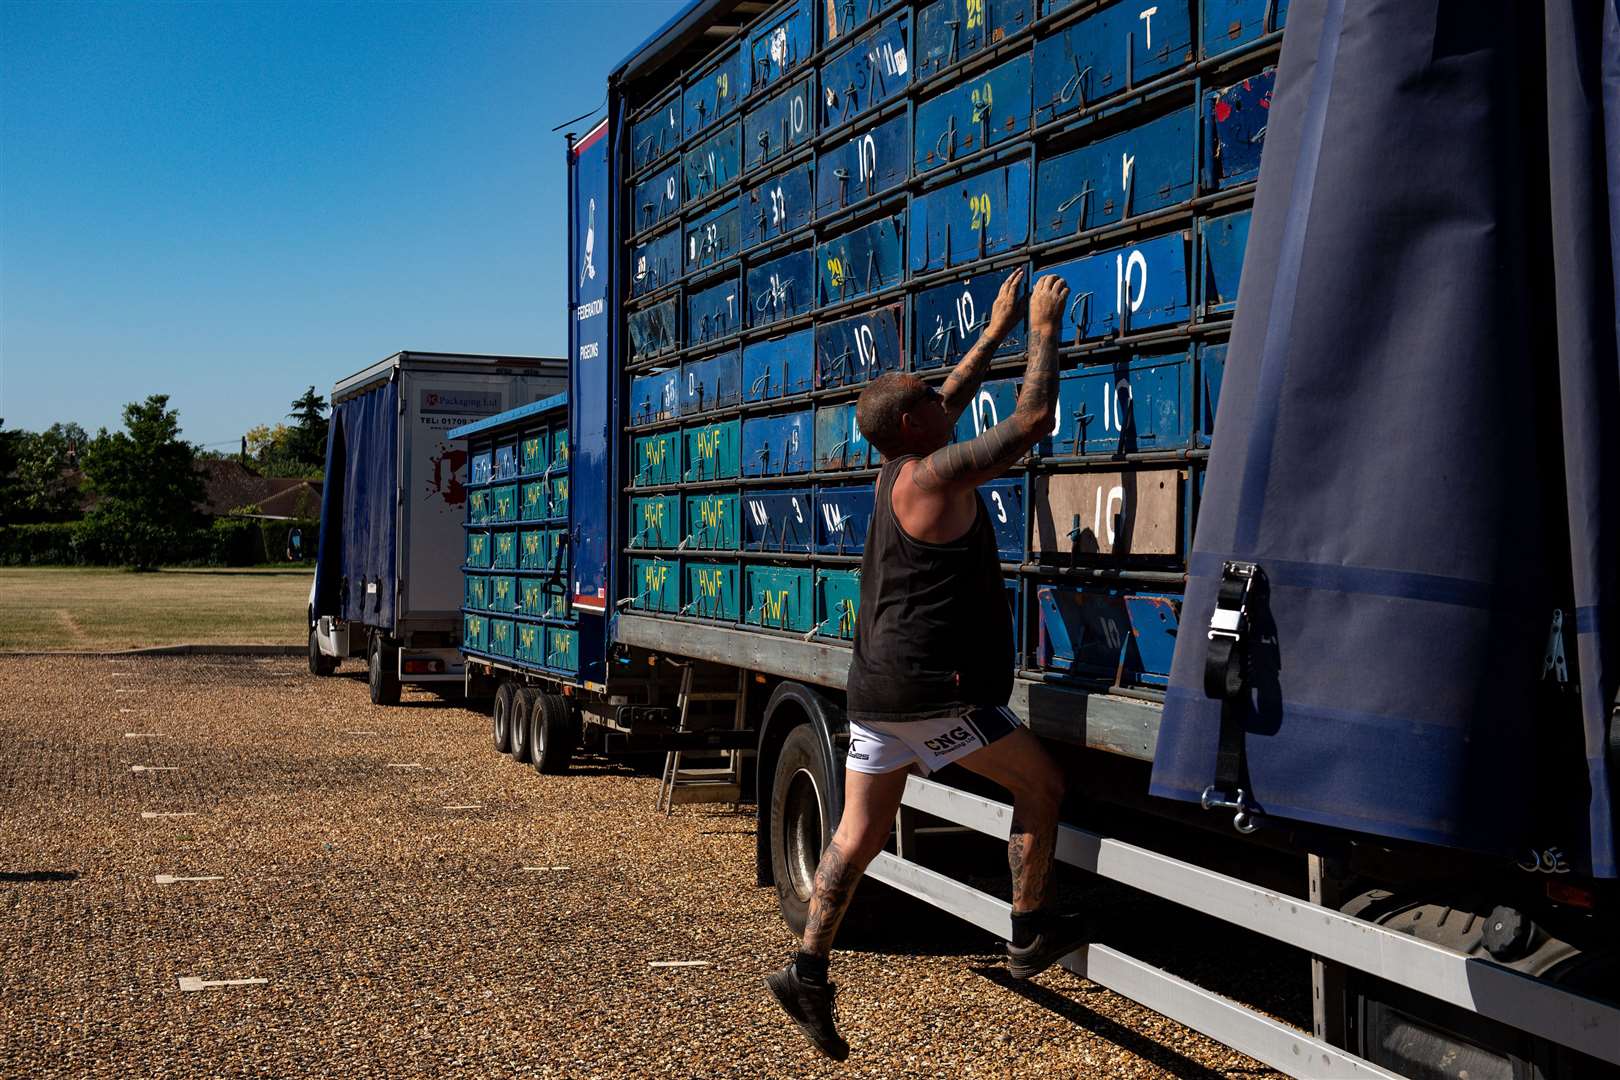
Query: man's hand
pixel 1047 303
pixel 1004 312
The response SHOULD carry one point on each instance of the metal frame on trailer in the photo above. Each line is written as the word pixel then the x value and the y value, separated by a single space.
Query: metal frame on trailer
pixel 1489 990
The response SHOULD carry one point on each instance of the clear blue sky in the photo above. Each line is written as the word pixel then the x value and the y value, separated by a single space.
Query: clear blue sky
pixel 227 202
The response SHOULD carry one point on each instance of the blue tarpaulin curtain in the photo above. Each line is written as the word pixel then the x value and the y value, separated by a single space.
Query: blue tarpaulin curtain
pixel 358 507
pixel 329 555
pixel 1411 439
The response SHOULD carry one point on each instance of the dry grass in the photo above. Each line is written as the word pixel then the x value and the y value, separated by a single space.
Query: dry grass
pixel 402 938
pixel 92 610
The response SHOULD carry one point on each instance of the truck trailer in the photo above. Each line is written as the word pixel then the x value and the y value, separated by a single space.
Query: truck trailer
pixel 1335 663
pixel 391 510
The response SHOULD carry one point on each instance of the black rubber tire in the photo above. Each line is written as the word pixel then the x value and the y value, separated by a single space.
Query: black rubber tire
pixel 801 823
pixel 554 734
pixel 500 718
pixel 383 673
pixel 522 709
pixel 319 662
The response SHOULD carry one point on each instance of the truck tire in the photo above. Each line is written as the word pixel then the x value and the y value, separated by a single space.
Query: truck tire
pixel 384 675
pixel 319 662
pixel 500 717
pixel 553 734
pixel 522 708
pixel 801 823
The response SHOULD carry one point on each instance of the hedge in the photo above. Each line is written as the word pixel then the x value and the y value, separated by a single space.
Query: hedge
pixel 93 542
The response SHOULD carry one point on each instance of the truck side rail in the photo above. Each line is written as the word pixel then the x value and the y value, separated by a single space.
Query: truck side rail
pixel 1498 993
pixel 1120 725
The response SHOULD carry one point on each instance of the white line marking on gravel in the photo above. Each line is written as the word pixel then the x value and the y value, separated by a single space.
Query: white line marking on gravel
pixel 404 764
pixel 149 814
pixel 121 712
pixel 128 690
pixel 466 806
pixel 533 869
pixel 145 735
pixel 170 879
pixel 191 982
pixel 677 963
pixel 154 768
pixel 361 733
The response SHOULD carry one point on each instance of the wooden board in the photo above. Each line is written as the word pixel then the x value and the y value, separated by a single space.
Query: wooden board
pixel 1132 512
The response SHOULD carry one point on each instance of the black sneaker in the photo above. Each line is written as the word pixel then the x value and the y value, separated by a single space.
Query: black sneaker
pixel 810 1007
pixel 1061 935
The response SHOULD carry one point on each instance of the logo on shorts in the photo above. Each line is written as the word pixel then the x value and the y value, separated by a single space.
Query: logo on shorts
pixel 950 740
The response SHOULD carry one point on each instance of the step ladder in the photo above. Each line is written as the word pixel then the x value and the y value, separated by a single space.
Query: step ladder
pixel 705 709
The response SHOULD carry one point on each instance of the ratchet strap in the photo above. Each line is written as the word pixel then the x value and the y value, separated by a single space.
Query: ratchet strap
pixel 1226 679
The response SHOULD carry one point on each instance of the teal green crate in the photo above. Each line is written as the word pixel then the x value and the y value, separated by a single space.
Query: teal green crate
pixel 713 451
pixel 504 547
pixel 502 636
pixel 711 590
pixel 557 599
pixel 655 585
pixel 559 448
pixel 557 551
pixel 503 505
pixel 475 633
pixel 656 459
pixel 562 649
pixel 531 596
pixel 534 453
pixel 655 521
pixel 503 593
pixel 534 549
pixel 475 592
pixel 711 521
pixel 536 500
pixel 478 506
pixel 557 502
pixel 478 549
pixel 531 643
pixel 779 597
pixel 838 601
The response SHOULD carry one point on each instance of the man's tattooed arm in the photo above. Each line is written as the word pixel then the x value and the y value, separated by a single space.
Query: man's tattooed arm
pixel 963 381
pixel 964 465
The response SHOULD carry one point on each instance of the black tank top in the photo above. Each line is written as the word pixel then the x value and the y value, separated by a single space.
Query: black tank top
pixel 933 629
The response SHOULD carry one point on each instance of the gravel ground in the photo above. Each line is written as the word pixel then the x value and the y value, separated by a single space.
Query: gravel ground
pixel 389 911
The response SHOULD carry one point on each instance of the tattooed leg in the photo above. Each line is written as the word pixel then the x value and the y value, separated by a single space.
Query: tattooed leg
pixel 836 879
pixel 870 801
pixel 1029 858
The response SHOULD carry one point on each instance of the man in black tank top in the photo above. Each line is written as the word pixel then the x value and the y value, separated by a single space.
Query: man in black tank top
pixel 932 665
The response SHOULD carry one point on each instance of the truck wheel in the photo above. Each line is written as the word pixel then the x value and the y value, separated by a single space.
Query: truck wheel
pixel 801 823
pixel 319 662
pixel 553 734
pixel 500 718
pixel 522 708
pixel 384 675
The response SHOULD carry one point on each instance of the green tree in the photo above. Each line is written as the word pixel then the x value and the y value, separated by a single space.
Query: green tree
pixel 38 477
pixel 11 490
pixel 146 481
pixel 308 437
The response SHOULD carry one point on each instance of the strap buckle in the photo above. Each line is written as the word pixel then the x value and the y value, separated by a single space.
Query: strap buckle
pixel 1230 619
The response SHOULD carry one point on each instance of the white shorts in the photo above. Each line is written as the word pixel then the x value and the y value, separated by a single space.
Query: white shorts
pixel 929 742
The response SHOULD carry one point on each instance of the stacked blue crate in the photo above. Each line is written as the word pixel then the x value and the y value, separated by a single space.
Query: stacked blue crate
pixel 849 206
